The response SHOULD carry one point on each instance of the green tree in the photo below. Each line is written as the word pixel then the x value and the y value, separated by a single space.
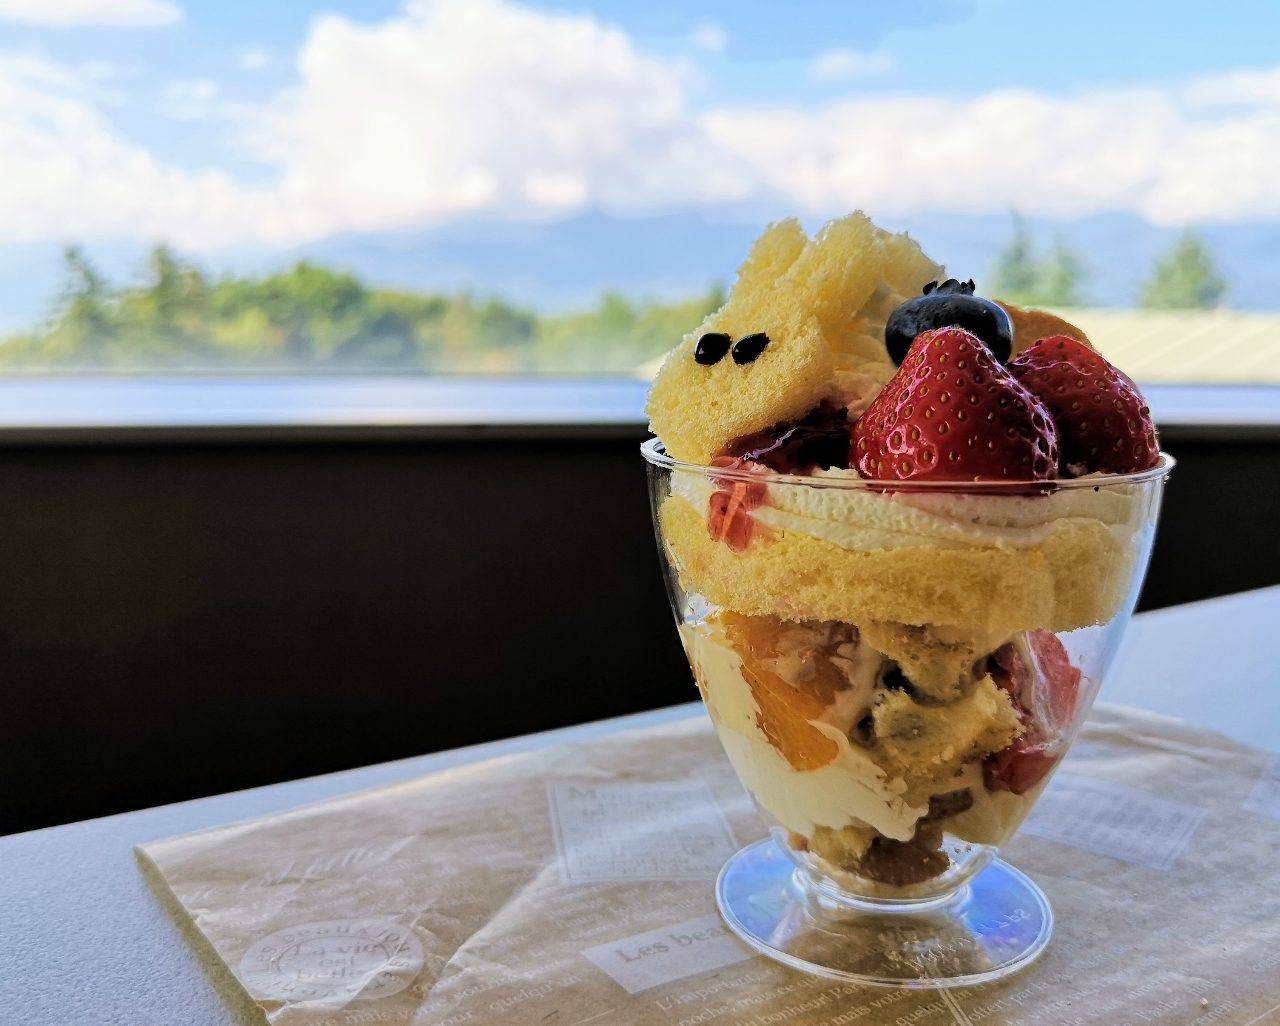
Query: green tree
pixel 1015 275
pixel 385 342
pixel 308 317
pixel 82 325
pixel 82 285
pixel 1020 276
pixel 167 295
pixel 1059 278
pixel 312 310
pixel 618 335
pixel 164 320
pixel 499 325
pixel 1184 278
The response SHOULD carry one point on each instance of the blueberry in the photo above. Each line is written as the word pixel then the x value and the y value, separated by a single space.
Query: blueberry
pixel 749 347
pixel 896 680
pixel 945 305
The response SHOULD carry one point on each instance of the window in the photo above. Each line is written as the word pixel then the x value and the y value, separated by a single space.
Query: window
pixel 542 188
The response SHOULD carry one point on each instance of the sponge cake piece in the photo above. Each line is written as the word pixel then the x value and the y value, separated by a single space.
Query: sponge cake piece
pixel 822 303
pixel 695 409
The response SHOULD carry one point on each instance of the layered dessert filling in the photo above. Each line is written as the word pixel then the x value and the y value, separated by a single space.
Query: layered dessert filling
pixel 871 744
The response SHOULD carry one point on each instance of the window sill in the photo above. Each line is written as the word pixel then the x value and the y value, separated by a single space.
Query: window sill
pixel 102 410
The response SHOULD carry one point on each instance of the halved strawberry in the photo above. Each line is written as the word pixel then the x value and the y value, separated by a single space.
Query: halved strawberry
pixel 1061 679
pixel 1045 695
pixel 952 413
pixel 1019 766
pixel 1103 421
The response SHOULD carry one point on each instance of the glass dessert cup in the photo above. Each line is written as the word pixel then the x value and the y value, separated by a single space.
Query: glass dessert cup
pixel 895 670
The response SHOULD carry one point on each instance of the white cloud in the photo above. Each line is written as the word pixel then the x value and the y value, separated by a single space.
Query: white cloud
pixel 709 36
pixel 835 65
pixel 1247 86
pixel 89 82
pixel 478 105
pixel 38 72
pixel 68 13
pixel 68 176
pixel 189 99
pixel 1134 150
pixel 459 107
pixel 254 58
pixel 564 191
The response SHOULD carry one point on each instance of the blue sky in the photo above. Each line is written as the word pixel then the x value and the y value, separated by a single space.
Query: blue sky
pixel 234 122
pixel 957 45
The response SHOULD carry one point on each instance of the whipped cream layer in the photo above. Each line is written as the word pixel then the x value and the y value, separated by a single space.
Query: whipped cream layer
pixel 863 519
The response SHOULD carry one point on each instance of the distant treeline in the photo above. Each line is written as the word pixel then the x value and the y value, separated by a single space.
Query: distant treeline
pixel 1184 277
pixel 312 318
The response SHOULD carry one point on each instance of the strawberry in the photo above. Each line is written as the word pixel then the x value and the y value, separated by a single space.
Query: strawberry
pixel 1061 679
pixel 1047 686
pixel 1018 767
pixel 952 413
pixel 1052 686
pixel 1103 422
pixel 729 518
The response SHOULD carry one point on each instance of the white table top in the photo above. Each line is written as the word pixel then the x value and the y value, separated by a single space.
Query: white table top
pixel 84 942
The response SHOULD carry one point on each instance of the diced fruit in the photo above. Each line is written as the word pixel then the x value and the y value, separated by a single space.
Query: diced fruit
pixel 1018 767
pixel 1011 674
pixel 785 708
pixel 952 413
pixel 729 508
pixel 1045 696
pixel 1050 689
pixel 728 521
pixel 1104 425
pixel 1061 679
pixel 951 304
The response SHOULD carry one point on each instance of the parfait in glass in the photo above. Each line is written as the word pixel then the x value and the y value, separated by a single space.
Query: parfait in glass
pixel 901 543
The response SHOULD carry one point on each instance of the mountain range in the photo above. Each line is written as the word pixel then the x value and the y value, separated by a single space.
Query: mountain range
pixel 559 265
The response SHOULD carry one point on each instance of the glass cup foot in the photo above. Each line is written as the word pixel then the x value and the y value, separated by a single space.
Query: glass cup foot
pixel 994 925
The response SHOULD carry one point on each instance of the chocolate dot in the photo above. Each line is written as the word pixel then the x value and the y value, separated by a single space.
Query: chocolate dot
pixel 711 348
pixel 749 347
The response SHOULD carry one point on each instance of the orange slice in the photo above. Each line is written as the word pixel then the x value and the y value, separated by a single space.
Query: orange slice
pixel 1029 326
pixel 785 708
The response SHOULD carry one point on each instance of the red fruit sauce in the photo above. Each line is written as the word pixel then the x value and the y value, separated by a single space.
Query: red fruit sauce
pixel 819 439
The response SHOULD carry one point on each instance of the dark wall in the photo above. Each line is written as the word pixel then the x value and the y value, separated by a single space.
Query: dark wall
pixel 1218 529
pixel 182 620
